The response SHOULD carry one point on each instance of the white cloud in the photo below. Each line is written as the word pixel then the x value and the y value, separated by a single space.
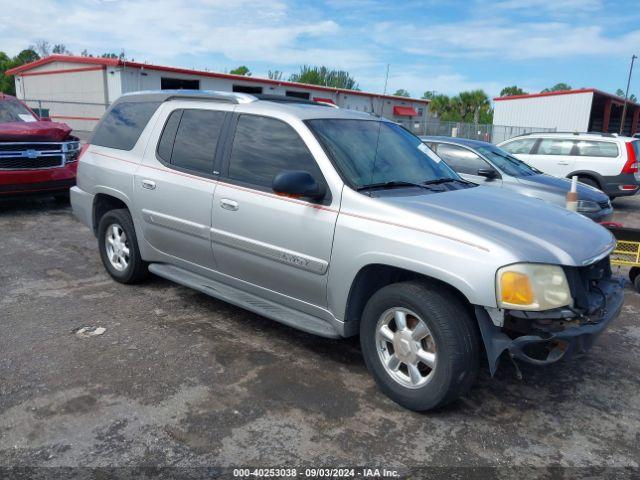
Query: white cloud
pixel 549 6
pixel 164 30
pixel 501 39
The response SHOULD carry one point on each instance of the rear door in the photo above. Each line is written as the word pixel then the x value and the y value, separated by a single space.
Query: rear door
pixel 175 183
pixel 555 156
pixel 280 244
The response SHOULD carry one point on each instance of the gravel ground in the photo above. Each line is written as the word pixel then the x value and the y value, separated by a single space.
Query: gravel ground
pixel 183 380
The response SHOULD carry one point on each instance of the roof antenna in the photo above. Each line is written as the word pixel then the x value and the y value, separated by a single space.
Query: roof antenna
pixel 384 92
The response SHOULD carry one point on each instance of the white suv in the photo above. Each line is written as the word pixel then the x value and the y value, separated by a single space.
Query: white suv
pixel 603 160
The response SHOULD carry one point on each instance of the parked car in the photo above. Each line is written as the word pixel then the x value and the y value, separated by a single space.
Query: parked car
pixel 338 223
pixel 487 164
pixel 36 155
pixel 605 161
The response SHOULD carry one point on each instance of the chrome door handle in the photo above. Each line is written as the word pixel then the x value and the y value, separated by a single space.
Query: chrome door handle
pixel 229 204
pixel 149 184
pixel 563 163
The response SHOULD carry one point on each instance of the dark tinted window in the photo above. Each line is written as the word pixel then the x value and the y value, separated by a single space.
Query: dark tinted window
pixel 122 126
pixel 263 147
pixel 195 141
pixel 461 159
pixel 14 111
pixel 165 145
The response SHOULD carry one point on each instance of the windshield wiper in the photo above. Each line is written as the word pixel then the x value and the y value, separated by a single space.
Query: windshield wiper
pixel 390 184
pixel 438 181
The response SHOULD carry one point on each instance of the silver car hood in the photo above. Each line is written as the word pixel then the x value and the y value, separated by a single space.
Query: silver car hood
pixel 562 185
pixel 530 229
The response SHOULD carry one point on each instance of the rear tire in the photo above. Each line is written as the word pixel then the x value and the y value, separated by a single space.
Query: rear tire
pixel 634 276
pixel 119 247
pixel 431 372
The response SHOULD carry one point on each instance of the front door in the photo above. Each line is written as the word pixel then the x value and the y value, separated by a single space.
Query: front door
pixel 277 243
pixel 467 164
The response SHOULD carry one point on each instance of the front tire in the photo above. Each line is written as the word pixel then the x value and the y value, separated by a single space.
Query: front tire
pixel 420 343
pixel 119 247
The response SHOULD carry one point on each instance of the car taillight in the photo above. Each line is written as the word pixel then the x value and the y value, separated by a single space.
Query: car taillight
pixel 632 162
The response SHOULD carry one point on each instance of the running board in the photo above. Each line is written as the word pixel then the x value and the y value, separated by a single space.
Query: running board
pixel 288 316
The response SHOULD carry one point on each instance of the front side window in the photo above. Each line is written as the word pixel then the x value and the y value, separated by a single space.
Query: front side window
pixel 368 152
pixel 263 147
pixel 555 146
pixel 590 148
pixel 508 163
pixel 522 147
pixel 123 124
pixel 461 159
pixel 189 139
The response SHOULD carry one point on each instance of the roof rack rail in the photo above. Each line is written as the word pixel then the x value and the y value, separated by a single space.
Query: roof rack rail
pixel 166 95
pixel 602 134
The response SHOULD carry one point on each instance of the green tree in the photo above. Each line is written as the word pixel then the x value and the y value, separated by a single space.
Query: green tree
pixel 632 97
pixel 324 76
pixel 511 91
pixel 61 49
pixel 557 87
pixel 275 74
pixel 7 83
pixel 241 70
pixel 402 93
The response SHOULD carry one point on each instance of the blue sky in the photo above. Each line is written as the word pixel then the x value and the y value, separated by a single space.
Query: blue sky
pixel 431 45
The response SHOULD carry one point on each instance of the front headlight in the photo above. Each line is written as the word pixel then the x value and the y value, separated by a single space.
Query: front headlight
pixel 532 286
pixel 588 206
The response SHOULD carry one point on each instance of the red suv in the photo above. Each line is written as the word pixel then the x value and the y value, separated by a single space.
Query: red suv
pixel 36 155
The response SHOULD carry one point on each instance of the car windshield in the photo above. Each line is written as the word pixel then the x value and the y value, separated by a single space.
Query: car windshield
pixel 14 111
pixel 507 162
pixel 372 152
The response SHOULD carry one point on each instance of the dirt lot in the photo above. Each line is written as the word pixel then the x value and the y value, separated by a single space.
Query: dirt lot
pixel 181 379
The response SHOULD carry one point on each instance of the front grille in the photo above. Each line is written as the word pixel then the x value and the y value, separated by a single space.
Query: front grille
pixel 39 147
pixel 24 163
pixel 35 155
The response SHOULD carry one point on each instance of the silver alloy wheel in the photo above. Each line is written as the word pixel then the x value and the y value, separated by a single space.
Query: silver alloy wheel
pixel 406 347
pixel 117 247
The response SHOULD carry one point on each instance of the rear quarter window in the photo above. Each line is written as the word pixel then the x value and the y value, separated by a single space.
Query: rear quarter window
pixel 122 125
pixel 590 148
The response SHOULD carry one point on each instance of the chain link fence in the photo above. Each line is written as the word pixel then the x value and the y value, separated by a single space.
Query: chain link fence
pixel 475 131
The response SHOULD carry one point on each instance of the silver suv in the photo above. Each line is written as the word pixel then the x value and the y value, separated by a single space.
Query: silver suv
pixel 339 223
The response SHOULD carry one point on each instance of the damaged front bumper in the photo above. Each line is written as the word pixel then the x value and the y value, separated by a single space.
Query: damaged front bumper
pixel 542 338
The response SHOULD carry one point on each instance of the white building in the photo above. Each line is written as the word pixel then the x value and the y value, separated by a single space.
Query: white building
pixel 583 110
pixel 77 90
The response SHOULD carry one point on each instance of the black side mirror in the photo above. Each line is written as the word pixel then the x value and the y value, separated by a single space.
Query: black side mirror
pixel 487 173
pixel 298 183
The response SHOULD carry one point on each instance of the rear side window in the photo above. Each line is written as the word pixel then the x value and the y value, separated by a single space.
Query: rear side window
pixel 590 148
pixel 523 146
pixel 122 125
pixel 461 159
pixel 189 139
pixel 263 147
pixel 555 146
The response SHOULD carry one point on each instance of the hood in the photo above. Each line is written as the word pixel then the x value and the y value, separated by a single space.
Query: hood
pixel 562 185
pixel 531 230
pixel 39 131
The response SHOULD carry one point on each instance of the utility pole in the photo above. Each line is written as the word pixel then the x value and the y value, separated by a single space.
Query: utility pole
pixel 626 95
